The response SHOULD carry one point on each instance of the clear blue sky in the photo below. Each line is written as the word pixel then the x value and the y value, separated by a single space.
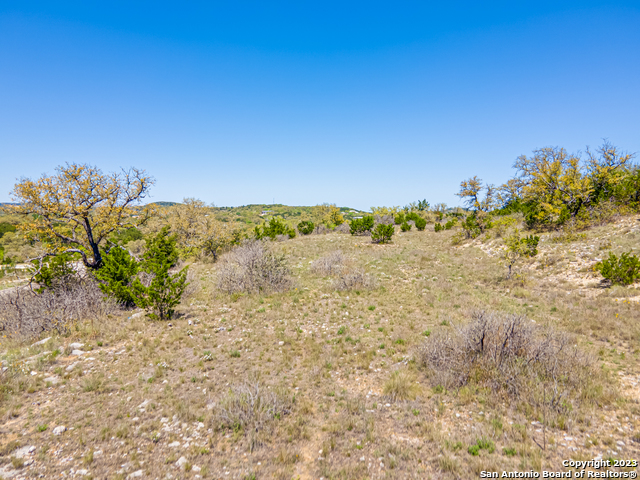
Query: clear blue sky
pixel 354 103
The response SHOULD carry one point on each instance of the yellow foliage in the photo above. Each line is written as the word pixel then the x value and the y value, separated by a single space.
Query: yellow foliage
pixel 471 189
pixel 77 209
pixel 554 179
pixel 198 231
pixel 328 214
pixel 385 210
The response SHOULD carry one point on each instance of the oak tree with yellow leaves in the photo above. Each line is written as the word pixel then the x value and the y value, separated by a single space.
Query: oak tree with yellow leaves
pixel 75 210
pixel 328 214
pixel 198 232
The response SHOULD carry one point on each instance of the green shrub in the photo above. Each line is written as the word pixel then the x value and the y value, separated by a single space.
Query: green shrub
pixel 481 444
pixel 405 227
pixel 116 275
pixel 471 227
pixel 360 226
pixel 450 224
pixel 438 227
pixel 382 233
pixel 620 271
pixel 164 290
pixel 53 271
pixel 127 235
pixel 486 444
pixel 399 218
pixel 520 247
pixel 422 205
pixel 421 223
pixel 6 227
pixel 305 228
pixel 272 229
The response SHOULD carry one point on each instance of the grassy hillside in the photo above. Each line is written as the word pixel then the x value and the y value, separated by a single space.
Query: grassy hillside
pixel 323 382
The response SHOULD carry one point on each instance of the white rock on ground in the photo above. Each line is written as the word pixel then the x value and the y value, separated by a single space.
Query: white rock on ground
pixel 136 474
pixel 76 346
pixel 24 451
pixel 182 461
pixel 53 380
pixel 59 430
pixel 77 353
pixel 41 342
pixel 7 472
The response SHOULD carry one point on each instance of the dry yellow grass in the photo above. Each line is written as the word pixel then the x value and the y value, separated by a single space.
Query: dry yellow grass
pixel 148 396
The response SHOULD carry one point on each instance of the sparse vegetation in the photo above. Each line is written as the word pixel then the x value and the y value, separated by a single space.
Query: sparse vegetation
pixel 354 279
pixel 251 407
pixel 513 357
pixel 330 264
pixel 304 357
pixel 253 268
pixel 25 314
pixel 520 247
pixel 401 385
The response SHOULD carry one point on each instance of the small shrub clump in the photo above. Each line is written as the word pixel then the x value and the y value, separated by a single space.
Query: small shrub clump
pixel 253 268
pixel 331 264
pixel 382 233
pixel 450 224
pixel 361 226
pixel 620 271
pixel 250 407
pixel 26 314
pixel 355 279
pixel 421 223
pixel 513 358
pixel 399 219
pixel 482 444
pixel 306 227
pixel 471 226
pixel 437 227
pixel 520 247
pixel 54 272
pixel 405 227
pixel 400 386
pixel 273 230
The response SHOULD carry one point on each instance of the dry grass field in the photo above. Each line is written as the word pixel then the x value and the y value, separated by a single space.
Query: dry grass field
pixel 336 377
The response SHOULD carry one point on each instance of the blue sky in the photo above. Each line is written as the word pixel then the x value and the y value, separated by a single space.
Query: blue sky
pixel 354 103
